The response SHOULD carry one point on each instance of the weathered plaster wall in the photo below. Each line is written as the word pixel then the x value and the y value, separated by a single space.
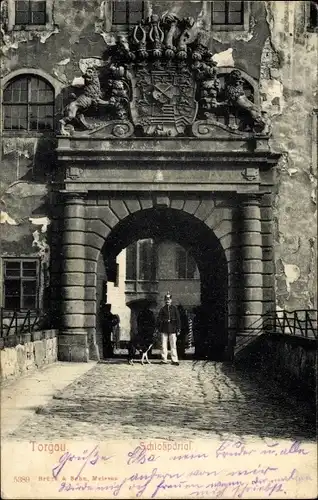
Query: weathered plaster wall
pixel 289 86
pixel 23 358
pixel 27 167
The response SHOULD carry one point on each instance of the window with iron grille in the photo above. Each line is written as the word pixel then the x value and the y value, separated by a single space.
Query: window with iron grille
pixel 30 12
pixel 129 12
pixel 28 104
pixel 185 264
pixel 227 12
pixel 21 284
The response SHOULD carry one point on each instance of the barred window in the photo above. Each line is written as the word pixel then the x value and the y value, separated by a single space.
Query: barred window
pixel 127 12
pixel 227 12
pixel 185 264
pixel 28 103
pixel 30 12
pixel 21 284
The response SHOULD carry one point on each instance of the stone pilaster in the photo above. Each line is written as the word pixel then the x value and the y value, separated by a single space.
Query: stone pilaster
pixel 73 343
pixel 252 265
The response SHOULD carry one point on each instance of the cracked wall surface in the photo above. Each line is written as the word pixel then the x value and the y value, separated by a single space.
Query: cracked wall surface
pixel 275 49
pixel 289 89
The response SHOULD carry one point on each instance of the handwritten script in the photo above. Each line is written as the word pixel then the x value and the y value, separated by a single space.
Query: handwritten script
pixel 248 467
pixel 87 458
pixel 253 472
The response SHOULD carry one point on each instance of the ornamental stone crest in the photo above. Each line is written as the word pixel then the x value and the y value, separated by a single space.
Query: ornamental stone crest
pixel 161 81
pixel 164 103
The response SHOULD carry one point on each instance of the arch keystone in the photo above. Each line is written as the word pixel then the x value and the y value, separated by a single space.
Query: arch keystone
pixel 162 201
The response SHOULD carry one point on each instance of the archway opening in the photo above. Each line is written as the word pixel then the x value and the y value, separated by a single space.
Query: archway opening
pixel 169 228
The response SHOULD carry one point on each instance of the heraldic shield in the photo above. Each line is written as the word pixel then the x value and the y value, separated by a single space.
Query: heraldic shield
pixel 163 102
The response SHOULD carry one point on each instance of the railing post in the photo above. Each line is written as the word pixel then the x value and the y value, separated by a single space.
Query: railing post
pixel 16 322
pixel 1 322
pixel 306 323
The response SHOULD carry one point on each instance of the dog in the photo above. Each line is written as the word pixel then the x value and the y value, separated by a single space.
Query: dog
pixel 142 346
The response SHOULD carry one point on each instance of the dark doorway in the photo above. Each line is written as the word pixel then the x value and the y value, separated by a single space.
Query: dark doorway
pixel 192 234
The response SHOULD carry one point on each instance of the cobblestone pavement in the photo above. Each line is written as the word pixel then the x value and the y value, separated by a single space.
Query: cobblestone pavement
pixel 194 400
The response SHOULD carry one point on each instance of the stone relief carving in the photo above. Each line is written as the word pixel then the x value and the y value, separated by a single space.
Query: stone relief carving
pixel 235 96
pixel 161 81
pixel 73 173
pixel 90 100
pixel 250 173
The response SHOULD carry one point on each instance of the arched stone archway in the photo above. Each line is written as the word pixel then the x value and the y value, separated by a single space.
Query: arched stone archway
pixel 108 223
pixel 163 222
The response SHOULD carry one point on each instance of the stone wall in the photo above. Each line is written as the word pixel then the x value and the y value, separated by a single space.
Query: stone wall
pixel 30 356
pixel 289 91
pixel 289 360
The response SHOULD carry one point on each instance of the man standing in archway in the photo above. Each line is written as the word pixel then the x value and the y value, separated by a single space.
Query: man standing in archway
pixel 169 326
pixel 146 325
pixel 108 321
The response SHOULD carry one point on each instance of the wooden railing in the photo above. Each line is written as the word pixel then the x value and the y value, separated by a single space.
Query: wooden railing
pixel 18 322
pixel 302 322
pixel 299 323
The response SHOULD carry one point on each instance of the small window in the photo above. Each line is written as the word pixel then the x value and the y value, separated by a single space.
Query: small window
pixel 129 12
pixel 28 103
pixel 186 265
pixel 227 12
pixel 30 12
pixel 21 284
pixel 313 15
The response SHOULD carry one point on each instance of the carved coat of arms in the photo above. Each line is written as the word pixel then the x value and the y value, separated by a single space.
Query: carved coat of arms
pixel 161 81
pixel 164 101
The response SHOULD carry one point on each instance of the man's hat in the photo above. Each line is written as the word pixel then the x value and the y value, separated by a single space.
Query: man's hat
pixel 168 295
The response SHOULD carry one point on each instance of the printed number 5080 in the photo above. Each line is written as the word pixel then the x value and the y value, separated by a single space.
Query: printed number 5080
pixel 21 479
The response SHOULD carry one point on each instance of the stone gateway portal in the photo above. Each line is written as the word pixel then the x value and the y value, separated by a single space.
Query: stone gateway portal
pixel 160 143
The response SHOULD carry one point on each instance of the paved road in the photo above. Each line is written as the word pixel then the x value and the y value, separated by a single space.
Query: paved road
pixel 194 400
